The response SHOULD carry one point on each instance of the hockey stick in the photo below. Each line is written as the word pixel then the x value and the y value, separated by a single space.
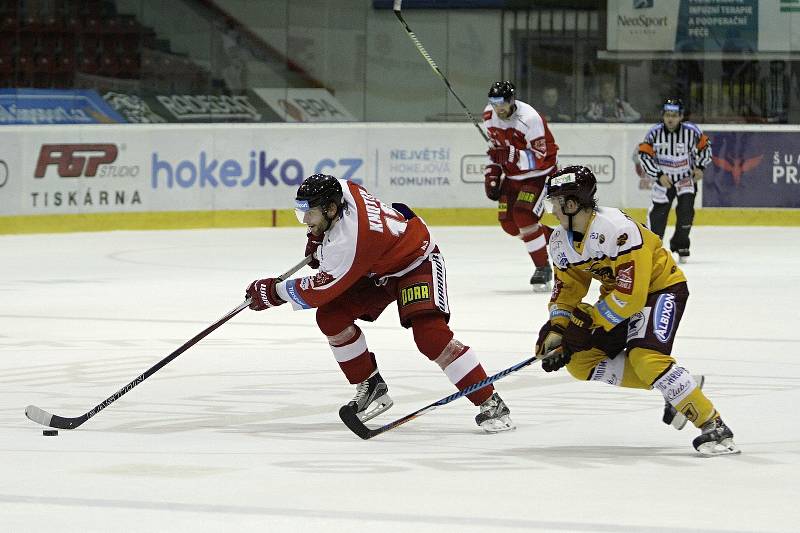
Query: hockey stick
pixel 351 420
pixel 44 418
pixel 435 67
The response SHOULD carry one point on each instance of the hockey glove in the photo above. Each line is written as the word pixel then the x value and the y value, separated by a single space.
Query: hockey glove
pixel 311 248
pixel 510 166
pixel 556 361
pixel 578 335
pixel 498 154
pixel 492 179
pixel 263 295
pixel 549 341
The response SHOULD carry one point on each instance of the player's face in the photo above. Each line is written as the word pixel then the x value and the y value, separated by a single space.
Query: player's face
pixel 672 119
pixel 559 206
pixel 503 109
pixel 316 221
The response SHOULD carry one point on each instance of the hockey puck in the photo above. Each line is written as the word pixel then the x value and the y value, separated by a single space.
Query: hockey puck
pixel 50 432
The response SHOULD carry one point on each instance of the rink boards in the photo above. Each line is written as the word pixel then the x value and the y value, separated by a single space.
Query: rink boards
pixel 73 178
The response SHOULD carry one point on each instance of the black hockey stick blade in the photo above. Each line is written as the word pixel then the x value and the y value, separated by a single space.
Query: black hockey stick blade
pixel 40 416
pixel 351 420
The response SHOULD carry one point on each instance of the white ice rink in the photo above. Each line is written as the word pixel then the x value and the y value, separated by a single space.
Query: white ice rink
pixel 241 432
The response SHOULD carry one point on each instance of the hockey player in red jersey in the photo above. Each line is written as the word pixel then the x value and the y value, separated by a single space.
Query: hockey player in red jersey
pixel 370 255
pixel 522 155
pixel 625 338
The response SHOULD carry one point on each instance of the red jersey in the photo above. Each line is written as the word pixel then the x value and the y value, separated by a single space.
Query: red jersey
pixel 369 239
pixel 527 131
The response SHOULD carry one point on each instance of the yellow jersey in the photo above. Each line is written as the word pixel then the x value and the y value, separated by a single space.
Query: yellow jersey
pixel 627 259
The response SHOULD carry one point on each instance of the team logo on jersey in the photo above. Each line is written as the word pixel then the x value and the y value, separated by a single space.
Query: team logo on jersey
pixel 625 275
pixel 557 286
pixel 539 147
pixel 319 280
pixel 622 239
pixel 603 273
pixel 418 292
pixel 664 317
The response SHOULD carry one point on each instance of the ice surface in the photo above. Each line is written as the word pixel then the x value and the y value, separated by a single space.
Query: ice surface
pixel 241 432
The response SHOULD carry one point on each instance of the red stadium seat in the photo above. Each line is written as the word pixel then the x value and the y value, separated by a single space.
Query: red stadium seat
pixel 25 70
pixel 42 76
pixel 6 66
pixel 109 66
pixel 129 66
pixel 8 43
pixel 9 22
pixel 88 64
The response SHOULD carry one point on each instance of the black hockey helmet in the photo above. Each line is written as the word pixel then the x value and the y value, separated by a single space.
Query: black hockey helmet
pixel 576 182
pixel 318 190
pixel 672 104
pixel 502 89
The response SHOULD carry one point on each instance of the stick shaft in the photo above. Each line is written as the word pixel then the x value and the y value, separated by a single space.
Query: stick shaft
pixel 43 417
pixel 435 67
pixel 355 425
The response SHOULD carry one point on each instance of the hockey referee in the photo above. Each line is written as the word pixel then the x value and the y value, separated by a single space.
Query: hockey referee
pixel 674 153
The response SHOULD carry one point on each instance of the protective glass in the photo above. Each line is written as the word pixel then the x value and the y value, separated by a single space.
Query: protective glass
pixel 301 208
pixel 551 201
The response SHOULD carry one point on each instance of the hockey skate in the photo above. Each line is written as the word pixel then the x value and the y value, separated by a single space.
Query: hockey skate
pixel 683 255
pixel 542 278
pixel 672 417
pixel 716 439
pixel 371 398
pixel 494 415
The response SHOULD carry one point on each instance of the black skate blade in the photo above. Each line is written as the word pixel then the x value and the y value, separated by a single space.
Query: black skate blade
pixel 353 423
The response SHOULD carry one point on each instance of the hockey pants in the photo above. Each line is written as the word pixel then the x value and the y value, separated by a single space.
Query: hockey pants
pixel 684 213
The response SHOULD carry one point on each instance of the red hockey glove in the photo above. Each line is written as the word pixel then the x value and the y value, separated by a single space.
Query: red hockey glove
pixel 550 338
pixel 578 335
pixel 498 154
pixel 311 248
pixel 510 166
pixel 263 295
pixel 492 179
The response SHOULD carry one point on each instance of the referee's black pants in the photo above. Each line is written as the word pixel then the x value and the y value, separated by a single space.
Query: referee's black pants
pixel 684 213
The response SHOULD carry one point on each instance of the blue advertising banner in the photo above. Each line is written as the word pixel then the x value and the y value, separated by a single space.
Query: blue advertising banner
pixel 753 169
pixel 50 106
pixel 693 25
pixel 726 25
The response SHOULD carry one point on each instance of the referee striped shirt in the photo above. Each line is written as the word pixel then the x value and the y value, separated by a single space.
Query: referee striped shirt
pixel 674 153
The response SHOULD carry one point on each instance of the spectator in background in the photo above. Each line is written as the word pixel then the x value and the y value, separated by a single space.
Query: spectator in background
pixel 551 109
pixel 610 108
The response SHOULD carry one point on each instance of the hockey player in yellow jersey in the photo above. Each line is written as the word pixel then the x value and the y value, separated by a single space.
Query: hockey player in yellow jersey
pixel 625 338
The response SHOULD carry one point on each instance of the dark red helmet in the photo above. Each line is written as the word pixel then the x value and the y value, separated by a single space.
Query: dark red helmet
pixel 576 182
